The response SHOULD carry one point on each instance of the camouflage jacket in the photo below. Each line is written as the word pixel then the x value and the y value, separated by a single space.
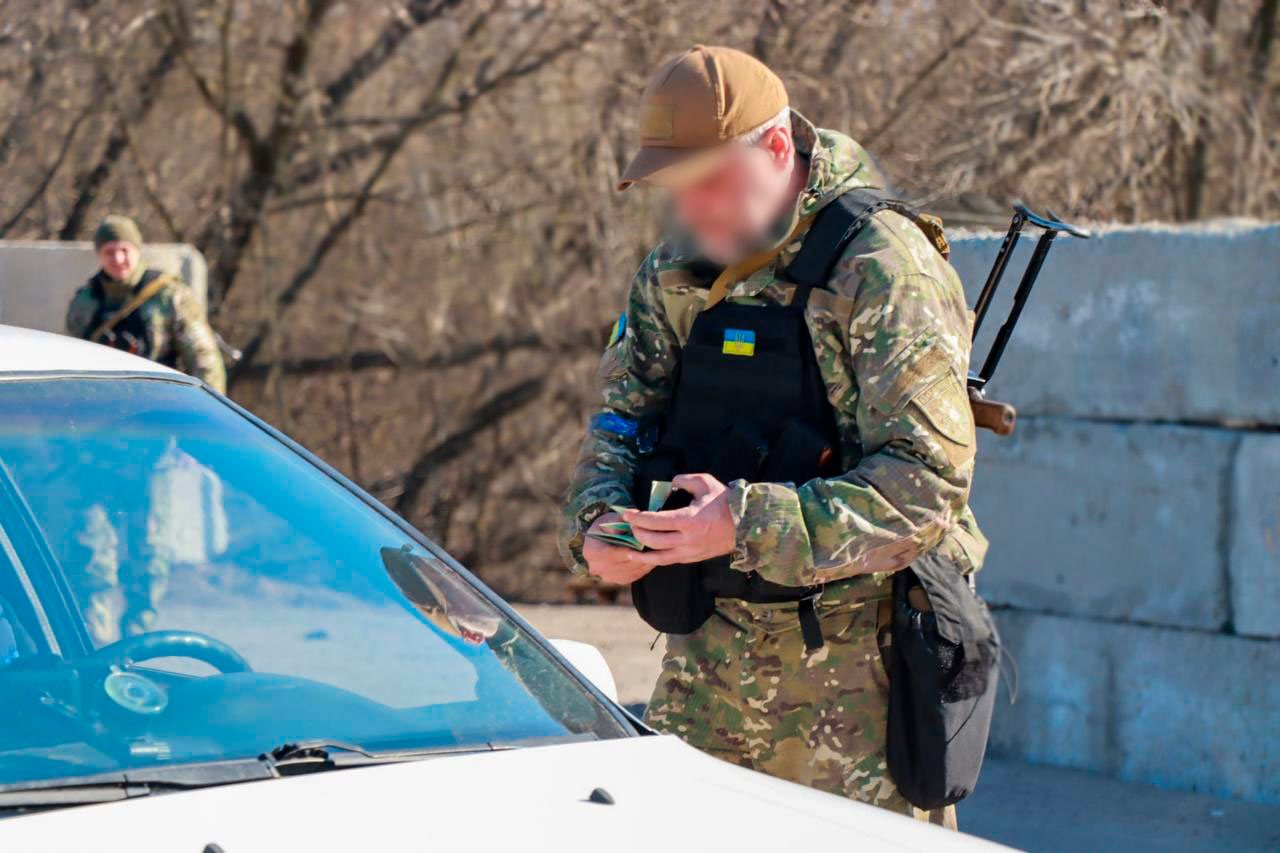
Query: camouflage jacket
pixel 177 331
pixel 891 333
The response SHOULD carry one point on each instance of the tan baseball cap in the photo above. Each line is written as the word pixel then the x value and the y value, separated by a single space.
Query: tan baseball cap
pixel 694 105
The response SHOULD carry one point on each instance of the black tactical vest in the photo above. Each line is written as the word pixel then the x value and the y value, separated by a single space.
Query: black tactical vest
pixel 749 403
pixel 133 333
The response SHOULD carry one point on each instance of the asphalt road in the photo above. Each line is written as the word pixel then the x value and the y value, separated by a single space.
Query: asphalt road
pixel 1021 805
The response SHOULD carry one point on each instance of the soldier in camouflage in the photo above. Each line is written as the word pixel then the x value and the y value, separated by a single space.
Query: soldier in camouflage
pixel 890 333
pixel 125 561
pixel 169 327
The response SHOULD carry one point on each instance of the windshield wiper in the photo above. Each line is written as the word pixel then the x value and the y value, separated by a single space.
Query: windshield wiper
pixel 126 784
pixel 289 759
pixel 323 754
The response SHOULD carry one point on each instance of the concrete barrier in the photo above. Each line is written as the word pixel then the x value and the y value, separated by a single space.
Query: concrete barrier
pixel 1255 537
pixel 1134 516
pixel 1143 323
pixel 37 278
pixel 1183 709
pixel 1113 521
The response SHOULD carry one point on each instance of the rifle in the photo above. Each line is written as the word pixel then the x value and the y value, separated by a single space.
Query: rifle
pixel 1001 418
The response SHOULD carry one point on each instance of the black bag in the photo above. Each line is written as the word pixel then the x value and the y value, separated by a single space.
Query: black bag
pixel 672 599
pixel 943 674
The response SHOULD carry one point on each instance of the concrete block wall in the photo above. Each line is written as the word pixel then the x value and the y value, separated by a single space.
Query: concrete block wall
pixel 1134 516
pixel 1254 556
pixel 1183 709
pixel 37 278
pixel 1151 323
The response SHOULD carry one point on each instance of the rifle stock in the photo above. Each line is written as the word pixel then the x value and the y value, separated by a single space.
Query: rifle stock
pixel 1000 418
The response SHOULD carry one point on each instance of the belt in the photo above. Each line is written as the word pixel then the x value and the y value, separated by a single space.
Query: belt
pixel 806 600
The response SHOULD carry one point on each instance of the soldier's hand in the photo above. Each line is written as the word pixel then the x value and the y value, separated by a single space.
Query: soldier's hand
pixel 700 531
pixel 613 563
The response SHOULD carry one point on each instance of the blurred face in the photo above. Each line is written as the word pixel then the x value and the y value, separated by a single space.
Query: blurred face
pixel 730 208
pixel 119 259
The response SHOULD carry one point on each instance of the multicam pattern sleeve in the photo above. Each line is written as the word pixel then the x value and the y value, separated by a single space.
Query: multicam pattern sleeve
pixel 906 346
pixel 193 338
pixel 634 379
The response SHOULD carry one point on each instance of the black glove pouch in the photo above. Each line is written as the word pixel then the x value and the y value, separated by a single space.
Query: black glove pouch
pixel 672 599
pixel 677 599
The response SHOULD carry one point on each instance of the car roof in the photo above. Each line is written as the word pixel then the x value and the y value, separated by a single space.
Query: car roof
pixel 24 352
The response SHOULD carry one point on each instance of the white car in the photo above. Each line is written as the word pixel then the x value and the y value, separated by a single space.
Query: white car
pixel 210 640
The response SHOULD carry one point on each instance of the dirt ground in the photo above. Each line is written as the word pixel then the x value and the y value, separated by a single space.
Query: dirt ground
pixel 626 641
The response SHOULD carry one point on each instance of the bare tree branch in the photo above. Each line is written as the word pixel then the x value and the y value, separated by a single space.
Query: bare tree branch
pixel 430 112
pixel 412 15
pixel 42 185
pixel 1265 29
pixel 500 406
pixel 227 246
pixel 772 31
pixel 27 104
pixel 90 183
pixel 906 97
pixel 392 147
pixel 175 22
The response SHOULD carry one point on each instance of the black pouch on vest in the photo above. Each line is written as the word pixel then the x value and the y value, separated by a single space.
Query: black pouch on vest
pixel 677 599
pixel 943 673
pixel 672 599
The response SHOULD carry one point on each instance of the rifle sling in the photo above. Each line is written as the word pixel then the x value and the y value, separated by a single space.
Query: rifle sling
pixel 135 302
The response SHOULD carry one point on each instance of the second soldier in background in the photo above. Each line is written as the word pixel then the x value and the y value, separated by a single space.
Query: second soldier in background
pixel 130 306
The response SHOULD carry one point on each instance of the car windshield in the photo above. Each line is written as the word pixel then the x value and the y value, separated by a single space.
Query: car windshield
pixel 178 585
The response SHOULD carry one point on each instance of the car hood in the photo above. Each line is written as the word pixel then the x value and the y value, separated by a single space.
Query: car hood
pixel 666 796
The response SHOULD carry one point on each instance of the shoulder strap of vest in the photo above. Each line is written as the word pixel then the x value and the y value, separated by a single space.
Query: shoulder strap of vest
pixel 149 289
pixel 839 222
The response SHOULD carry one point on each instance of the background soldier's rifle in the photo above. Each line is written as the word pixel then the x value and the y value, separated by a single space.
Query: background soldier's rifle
pixel 998 417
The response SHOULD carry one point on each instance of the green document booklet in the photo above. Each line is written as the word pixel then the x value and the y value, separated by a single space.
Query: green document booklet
pixel 619 532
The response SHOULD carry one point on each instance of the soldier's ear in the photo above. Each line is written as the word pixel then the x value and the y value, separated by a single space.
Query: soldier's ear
pixel 778 143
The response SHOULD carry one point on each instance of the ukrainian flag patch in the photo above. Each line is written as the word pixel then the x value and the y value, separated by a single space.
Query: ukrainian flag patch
pixel 619 329
pixel 739 342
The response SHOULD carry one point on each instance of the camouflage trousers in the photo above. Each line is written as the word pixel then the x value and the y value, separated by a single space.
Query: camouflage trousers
pixel 743 688
pixel 119 600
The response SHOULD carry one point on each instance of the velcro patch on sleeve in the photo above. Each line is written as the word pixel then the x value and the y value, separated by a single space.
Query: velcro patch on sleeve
pixel 916 367
pixel 945 405
pixel 615 423
pixel 619 329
